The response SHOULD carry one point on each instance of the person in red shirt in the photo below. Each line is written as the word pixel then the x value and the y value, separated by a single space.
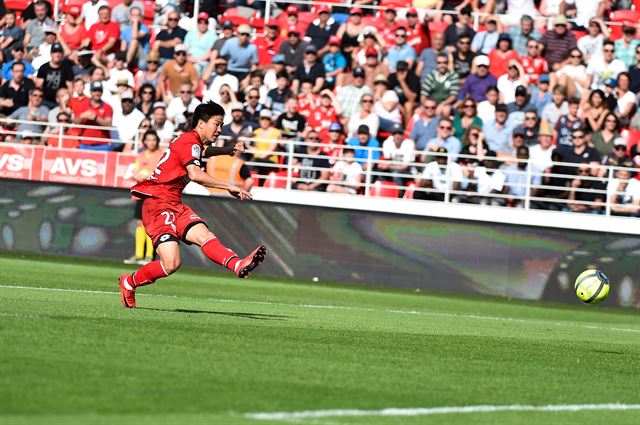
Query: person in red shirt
pixel 321 118
pixel 388 28
pixel 95 112
pixel 534 64
pixel 104 34
pixel 418 35
pixel 269 44
pixel 307 99
pixel 167 220
pixel 500 56
pixel 73 32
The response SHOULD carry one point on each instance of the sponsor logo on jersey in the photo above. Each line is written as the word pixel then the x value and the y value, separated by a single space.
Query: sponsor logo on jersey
pixel 195 152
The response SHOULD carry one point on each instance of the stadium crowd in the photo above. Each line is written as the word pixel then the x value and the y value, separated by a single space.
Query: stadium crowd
pixel 473 97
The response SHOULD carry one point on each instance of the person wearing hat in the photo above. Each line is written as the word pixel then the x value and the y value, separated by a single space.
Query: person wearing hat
pixel 326 113
pixel 388 26
pixel 501 56
pixel 56 73
pixel 94 113
pixel 372 65
pixel 477 83
pixel 350 95
pixel 540 152
pixel 34 33
pixel 321 29
pixel 177 71
pixel 169 37
pixel 292 21
pixel 293 49
pixel 617 155
pixel 365 145
pixel 199 41
pixel 485 41
pixel 401 50
pixel 14 93
pixel 558 43
pixel 269 44
pixel 350 32
pixel 242 56
pixel 418 35
pixel 104 34
pixel 310 69
pixel 522 34
pixel 541 93
pixel 398 154
pixel 604 67
pixel 511 81
pixel 334 64
pixel 126 120
pixel 11 36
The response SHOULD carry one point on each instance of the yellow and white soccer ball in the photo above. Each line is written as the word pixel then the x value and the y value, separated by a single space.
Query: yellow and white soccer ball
pixel 592 286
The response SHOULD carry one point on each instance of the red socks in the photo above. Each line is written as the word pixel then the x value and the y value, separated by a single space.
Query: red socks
pixel 148 274
pixel 219 253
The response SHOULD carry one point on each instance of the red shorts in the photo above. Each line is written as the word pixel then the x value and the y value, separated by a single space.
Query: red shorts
pixel 167 221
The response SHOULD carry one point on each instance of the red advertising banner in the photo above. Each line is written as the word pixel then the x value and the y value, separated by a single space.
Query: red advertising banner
pixel 74 166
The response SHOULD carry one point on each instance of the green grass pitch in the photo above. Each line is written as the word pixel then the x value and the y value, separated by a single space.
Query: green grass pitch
pixel 206 348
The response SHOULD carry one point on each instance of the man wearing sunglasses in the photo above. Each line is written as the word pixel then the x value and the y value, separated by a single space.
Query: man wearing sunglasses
pixel 242 56
pixel 178 71
pixel 33 111
pixel 170 37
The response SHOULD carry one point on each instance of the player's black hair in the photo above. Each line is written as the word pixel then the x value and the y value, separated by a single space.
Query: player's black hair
pixel 205 111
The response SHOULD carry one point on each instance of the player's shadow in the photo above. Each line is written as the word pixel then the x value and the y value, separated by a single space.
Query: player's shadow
pixel 254 316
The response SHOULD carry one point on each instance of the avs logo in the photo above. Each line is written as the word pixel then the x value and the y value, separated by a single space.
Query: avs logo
pixel 73 167
pixel 12 162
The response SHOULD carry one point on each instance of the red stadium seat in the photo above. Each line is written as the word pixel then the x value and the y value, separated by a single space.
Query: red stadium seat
pixel 632 16
pixel 435 27
pixel 276 180
pixel 257 24
pixel 615 32
pixel 396 4
pixel 17 5
pixel 236 19
pixel 385 189
pixel 256 177
pixel 409 191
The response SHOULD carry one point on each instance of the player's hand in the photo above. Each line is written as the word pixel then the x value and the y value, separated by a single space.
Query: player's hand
pixel 238 147
pixel 239 193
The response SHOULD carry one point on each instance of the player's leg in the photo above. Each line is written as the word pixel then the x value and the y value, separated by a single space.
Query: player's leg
pixel 211 246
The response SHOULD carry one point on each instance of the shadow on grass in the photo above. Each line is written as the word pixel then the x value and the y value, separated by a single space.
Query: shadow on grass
pixel 254 316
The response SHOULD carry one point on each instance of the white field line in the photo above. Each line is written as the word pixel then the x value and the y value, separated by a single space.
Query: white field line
pixel 339 307
pixel 421 411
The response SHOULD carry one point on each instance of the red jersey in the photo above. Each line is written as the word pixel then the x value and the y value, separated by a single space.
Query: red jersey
pixel 266 49
pixel 320 119
pixel 101 33
pixel 305 105
pixel 417 38
pixel 170 176
pixel 498 62
pixel 388 34
pixel 74 40
pixel 534 67
pixel 102 110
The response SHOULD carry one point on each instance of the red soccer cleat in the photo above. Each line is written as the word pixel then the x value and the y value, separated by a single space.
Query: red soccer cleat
pixel 250 262
pixel 128 296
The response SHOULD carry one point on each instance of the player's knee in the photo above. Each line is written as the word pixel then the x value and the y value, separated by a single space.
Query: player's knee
pixel 171 266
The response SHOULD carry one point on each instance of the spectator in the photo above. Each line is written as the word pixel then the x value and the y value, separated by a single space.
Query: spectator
pixel 591 44
pixel 242 56
pixel 11 35
pixel 626 46
pixel 445 138
pixel 474 150
pixel 559 106
pixel 518 107
pixel 388 27
pixel 293 49
pixel 230 168
pixel 624 193
pixel 57 136
pixel 253 107
pixel 634 71
pixel 558 43
pixel 497 131
pixel 387 108
pixel 178 71
pixel 147 96
pixel 521 178
pixel 350 95
pixel 334 63
pixel 18 55
pixel 169 38
pixel 425 128
pixel 228 98
pixel 398 155
pixel 270 75
pixel 181 104
pixel 350 31
pixel 573 75
pixel 485 41
pixel 346 174
pixel 587 193
pixel 161 125
pixel 610 93
pixel 63 97
pixel 55 74
pixel 476 84
pixel 373 67
pixel 533 64
pixel 461 26
pixel 220 77
pixel 427 60
pixel 366 117
pixel 309 69
pixel 602 140
pixel 72 32
pixel 320 118
pixel 626 104
pixel 400 51
pixel 42 54
pixel 605 67
pixel 418 34
pixel 463 56
pixel 34 110
pixel 268 45
pixel 128 120
pixel 439 176
pixel 521 35
pixel 580 152
pixel 502 56
pixel 95 112
pixel 104 34
pixel 594 112
pixel 151 75
pixel 34 30
pixel 488 184
pixel 442 85
pixel 366 147
pixel 466 117
pixel 406 84
pixel 90 11
pixel 370 41
pixel 617 156
pixel 277 97
pixel 291 123
pixel 567 124
pixel 307 99
pixel 511 81
pixel 14 93
pixel 121 11
pixel 199 42
pixel 540 153
pixel 238 127
pixel 314 166
pixel 541 96
pixel 119 73
pixel 321 29
pixel 531 126
pixel 227 33
pixel 266 138
pixel 487 108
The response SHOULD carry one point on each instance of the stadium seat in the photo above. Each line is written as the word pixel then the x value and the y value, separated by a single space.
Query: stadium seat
pixel 257 24
pixel 435 27
pixel 276 180
pixel 16 5
pixel 409 191
pixel 236 19
pixel 256 178
pixel 632 16
pixel 384 189
pixel 396 4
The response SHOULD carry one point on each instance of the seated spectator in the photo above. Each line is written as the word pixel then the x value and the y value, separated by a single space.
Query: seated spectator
pixel 373 67
pixel 138 141
pixel 238 127
pixel 508 154
pixel 461 26
pixel 523 34
pixel 497 131
pixel 217 71
pixel 366 147
pixel 552 112
pixel 398 155
pixel 366 117
pixel 488 180
pixel 442 85
pixel 314 166
pixel 265 146
pixel 57 136
pixel 34 29
pixel 271 73
pixel 268 44
pixel 587 192
pixel 55 74
pixel 334 63
pixel 170 37
pixel 623 193
pixel 293 49
pixel 418 34
pixel 291 123
pixel 530 127
pixel 334 141
pixel 555 186
pixel 521 178
pixel 518 107
pixel 161 125
pixel 179 105
pixel 400 51
pixel 147 96
pixel 425 127
pixel 321 117
pixel 463 57
pixel 42 54
pixel 293 21
pixel 35 111
pixel 634 72
pixel 370 41
pixel 558 43
pixel 388 110
pixel 594 112
pixel 307 99
pixel 350 96
pixel 445 138
pixel 62 105
pixel 277 97
pixel 11 35
pixel 485 41
pixel 487 108
pixel 617 156
pixel 309 69
pixel 567 124
pixel 540 153
pixel 104 34
pixel 572 74
pixel 466 116
pixel 604 67
pixel 591 44
pixel 439 176
pixel 18 55
pixel 406 84
pixel 427 60
pixel 349 31
pixel 346 174
pixel 14 93
pixel 127 120
pixel 501 56
pixel 625 47
pixel 119 72
pixel 510 81
pixel 242 56
pixel 579 152
pixel 230 168
pixel 95 112
pixel 199 42
pixel 476 84
pixel 73 33
pixel 626 104
pixel 533 64
pixel 177 71
pixel 320 30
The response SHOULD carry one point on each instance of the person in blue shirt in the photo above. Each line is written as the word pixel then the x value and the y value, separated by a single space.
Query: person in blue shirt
pixel 242 56
pixel 497 132
pixel 401 51
pixel 142 34
pixel 445 139
pixel 334 62
pixel 425 128
pixel 362 143
pixel 18 56
pixel 541 94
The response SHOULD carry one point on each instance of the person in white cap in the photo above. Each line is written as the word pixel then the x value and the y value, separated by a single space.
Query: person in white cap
pixel 241 54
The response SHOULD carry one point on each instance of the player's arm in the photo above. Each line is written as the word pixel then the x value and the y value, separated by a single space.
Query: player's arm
pixel 216 151
pixel 197 175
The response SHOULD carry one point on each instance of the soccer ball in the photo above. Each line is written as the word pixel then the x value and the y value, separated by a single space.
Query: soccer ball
pixel 592 286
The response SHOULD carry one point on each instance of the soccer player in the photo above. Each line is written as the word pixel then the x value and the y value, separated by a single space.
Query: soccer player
pixel 167 220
